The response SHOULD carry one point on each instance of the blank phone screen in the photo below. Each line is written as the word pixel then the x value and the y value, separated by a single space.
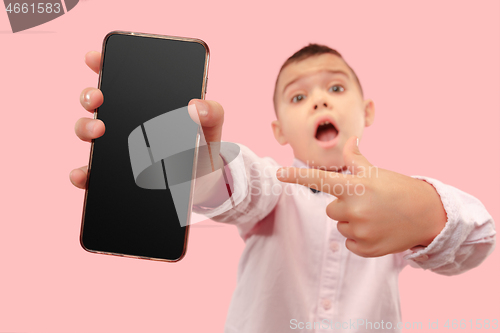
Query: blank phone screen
pixel 141 78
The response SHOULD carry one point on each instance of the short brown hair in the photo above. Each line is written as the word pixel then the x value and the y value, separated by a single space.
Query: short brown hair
pixel 308 51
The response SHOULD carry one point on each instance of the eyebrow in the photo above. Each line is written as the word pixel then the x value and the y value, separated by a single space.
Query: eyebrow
pixel 328 71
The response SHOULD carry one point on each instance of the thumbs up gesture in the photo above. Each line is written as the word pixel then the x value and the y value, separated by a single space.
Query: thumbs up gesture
pixel 379 211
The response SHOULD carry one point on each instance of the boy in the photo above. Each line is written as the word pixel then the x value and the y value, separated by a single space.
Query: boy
pixel 306 271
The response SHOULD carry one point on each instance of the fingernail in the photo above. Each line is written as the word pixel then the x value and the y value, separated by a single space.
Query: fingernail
pixel 90 126
pixel 201 107
pixel 88 96
pixel 357 142
pixel 192 108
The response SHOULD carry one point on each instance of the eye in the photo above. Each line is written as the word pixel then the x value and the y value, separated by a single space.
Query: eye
pixel 296 98
pixel 339 88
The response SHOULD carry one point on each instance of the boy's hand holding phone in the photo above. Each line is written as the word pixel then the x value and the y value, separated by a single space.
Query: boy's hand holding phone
pixel 379 211
pixel 87 128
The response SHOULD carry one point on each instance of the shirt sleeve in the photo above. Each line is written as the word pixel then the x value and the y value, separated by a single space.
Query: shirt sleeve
pixel 252 180
pixel 467 238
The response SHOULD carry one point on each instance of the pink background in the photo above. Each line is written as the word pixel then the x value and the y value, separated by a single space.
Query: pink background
pixel 431 68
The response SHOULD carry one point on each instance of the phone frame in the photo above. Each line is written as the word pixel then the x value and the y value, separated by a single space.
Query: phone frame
pixel 195 161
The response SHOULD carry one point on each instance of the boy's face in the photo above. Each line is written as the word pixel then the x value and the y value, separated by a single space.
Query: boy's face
pixel 307 95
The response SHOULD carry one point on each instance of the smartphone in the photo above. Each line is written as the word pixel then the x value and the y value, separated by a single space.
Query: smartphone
pixel 141 77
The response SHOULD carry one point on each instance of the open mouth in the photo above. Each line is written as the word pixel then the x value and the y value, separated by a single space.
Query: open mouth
pixel 326 132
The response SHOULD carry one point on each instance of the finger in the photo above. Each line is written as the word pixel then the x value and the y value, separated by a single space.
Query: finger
pixel 79 176
pixel 364 249
pixel 355 162
pixel 210 115
pixel 345 229
pixel 87 129
pixel 93 60
pixel 358 239
pixel 91 98
pixel 335 183
pixel 352 246
pixel 337 210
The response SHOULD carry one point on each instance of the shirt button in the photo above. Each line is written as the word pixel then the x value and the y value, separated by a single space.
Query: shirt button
pixel 334 246
pixel 326 304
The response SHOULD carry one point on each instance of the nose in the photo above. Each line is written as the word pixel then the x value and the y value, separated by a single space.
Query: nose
pixel 317 105
pixel 320 100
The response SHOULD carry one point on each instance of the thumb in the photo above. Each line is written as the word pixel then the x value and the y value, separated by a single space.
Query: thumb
pixel 210 115
pixel 353 159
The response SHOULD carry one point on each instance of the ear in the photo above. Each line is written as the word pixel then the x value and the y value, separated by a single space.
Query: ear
pixel 369 112
pixel 278 133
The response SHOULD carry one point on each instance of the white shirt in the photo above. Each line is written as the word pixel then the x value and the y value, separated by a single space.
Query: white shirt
pixel 295 270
